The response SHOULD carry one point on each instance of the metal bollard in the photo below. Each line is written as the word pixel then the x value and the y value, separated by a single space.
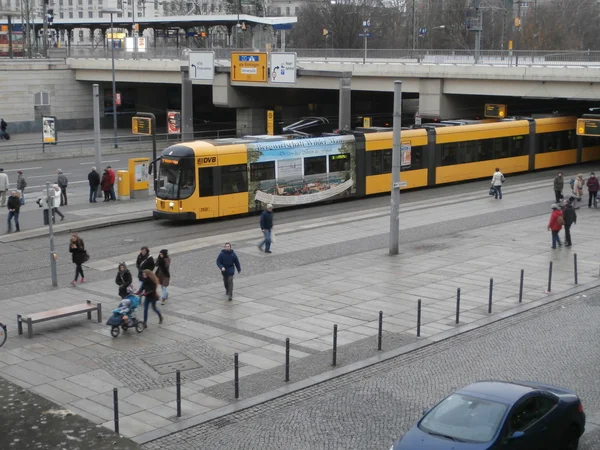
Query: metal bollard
pixel 236 375
pixel 419 318
pixel 521 286
pixel 116 408
pixel 178 386
pixel 575 266
pixel 287 359
pixel 457 305
pixel 380 334
pixel 334 345
pixel 549 278
pixel 491 293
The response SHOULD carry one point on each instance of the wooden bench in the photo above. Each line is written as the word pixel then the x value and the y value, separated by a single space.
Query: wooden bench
pixel 88 307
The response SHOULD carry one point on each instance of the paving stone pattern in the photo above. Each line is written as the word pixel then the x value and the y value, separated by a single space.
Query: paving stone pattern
pixel 371 408
pixel 76 362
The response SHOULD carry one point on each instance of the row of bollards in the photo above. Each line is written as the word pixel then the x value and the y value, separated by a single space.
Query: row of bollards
pixel 335 339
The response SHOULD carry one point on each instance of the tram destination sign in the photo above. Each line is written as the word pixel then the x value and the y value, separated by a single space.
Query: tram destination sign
pixel 141 125
pixel 495 111
pixel 588 127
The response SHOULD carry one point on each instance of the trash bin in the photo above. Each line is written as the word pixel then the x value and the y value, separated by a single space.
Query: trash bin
pixel 123 187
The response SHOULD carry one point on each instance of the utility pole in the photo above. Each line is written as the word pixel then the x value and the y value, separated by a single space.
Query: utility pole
pixel 187 106
pixel 517 25
pixel 345 101
pixel 414 26
pixel 396 165
pixel 365 34
pixel 45 34
pixel 96 105
pixel 50 204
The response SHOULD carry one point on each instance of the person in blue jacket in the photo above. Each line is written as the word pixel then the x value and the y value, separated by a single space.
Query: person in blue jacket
pixel 228 261
pixel 266 225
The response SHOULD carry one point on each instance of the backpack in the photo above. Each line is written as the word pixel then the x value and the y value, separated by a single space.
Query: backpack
pixel 572 182
pixel 560 220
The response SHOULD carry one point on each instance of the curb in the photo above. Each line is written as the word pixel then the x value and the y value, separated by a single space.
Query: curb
pixel 74 227
pixel 335 373
pixel 66 155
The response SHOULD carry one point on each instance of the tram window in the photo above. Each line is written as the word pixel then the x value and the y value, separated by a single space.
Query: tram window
pixel 207 181
pixel 501 147
pixel 416 158
pixel 262 171
pixel 590 141
pixel 519 145
pixel 339 163
pixel 449 154
pixel 234 179
pixel 556 141
pixel 470 151
pixel 315 165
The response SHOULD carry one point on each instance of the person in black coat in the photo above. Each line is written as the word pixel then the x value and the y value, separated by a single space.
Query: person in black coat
pixel 570 218
pixel 94 181
pixel 266 226
pixel 79 255
pixel 148 291
pixel 144 261
pixel 123 280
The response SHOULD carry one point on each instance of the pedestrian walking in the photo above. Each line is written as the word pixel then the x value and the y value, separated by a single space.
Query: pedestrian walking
pixel 3 127
pixel 124 280
pixel 163 272
pixel 570 218
pixel 21 185
pixel 14 205
pixel 559 184
pixel 111 175
pixel 62 182
pixel 144 262
pixel 555 225
pixel 578 190
pixel 56 202
pixel 105 185
pixel 227 262
pixel 266 226
pixel 3 187
pixel 94 182
pixel 79 256
pixel 497 180
pixel 148 291
pixel 593 187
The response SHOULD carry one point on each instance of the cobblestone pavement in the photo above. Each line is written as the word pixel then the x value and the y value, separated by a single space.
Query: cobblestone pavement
pixel 371 408
pixel 29 421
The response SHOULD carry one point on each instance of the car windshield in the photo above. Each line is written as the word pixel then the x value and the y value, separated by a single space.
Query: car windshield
pixel 464 418
pixel 176 181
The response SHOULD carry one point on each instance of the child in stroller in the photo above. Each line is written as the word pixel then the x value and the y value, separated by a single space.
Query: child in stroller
pixel 124 316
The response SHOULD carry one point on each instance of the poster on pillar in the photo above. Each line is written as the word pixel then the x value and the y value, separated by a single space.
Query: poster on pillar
pixel 173 122
pixel 283 68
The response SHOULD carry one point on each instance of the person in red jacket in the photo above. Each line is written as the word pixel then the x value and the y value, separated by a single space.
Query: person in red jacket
pixel 555 225
pixel 593 187
pixel 111 175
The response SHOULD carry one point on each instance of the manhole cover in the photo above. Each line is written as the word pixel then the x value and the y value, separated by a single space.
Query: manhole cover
pixel 171 363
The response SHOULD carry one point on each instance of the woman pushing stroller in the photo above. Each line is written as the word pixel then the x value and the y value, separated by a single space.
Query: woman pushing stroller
pixel 148 291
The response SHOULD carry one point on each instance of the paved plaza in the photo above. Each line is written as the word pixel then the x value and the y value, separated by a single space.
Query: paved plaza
pixel 76 362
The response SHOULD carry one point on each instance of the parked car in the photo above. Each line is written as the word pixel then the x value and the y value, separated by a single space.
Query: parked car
pixel 494 415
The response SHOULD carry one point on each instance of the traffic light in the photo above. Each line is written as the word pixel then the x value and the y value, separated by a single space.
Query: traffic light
pixel 50 15
pixel 203 34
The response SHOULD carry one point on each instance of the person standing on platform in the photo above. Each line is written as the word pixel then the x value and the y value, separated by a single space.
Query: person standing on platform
pixel 578 190
pixel 3 187
pixel 593 186
pixel 266 226
pixel 56 201
pixel 21 185
pixel 105 185
pixel 555 225
pixel 497 180
pixel 111 175
pixel 94 181
pixel 14 205
pixel 570 218
pixel 228 261
pixel 62 182
pixel 559 184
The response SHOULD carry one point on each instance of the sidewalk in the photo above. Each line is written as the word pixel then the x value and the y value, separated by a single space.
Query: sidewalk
pixel 77 363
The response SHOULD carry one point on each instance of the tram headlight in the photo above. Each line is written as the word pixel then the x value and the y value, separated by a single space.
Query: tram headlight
pixel 171 204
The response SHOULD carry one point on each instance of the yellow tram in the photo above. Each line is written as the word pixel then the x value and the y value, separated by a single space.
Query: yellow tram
pixel 224 177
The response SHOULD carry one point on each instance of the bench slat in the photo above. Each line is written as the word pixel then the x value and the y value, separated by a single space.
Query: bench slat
pixel 59 312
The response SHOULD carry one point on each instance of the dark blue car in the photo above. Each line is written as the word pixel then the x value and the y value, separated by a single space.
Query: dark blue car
pixel 496 415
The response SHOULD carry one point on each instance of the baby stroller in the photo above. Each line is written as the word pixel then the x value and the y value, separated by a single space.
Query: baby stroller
pixel 124 316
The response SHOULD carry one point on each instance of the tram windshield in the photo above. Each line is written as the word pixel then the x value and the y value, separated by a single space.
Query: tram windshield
pixel 176 179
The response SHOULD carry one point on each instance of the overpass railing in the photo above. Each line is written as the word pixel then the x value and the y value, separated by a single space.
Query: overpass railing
pixel 373 56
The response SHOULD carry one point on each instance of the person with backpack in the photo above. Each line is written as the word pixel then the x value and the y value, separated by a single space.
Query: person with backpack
pixel 593 187
pixel 570 218
pixel 555 225
pixel 21 185
pixel 497 180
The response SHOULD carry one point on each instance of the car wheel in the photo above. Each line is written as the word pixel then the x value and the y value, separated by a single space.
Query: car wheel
pixel 570 440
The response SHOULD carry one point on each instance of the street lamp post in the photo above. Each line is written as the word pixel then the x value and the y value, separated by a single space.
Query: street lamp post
pixel 441 27
pixel 112 11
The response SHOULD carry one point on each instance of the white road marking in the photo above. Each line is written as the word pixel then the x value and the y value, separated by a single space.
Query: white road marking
pixel 47 176
pixel 94 162
pixel 44 186
pixel 25 168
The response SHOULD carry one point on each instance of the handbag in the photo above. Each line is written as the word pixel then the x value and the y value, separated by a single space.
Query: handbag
pixel 86 257
pixel 492 191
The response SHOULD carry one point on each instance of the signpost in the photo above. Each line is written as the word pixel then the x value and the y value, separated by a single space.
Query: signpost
pixel 202 66
pixel 270 122
pixel 283 68
pixel 249 67
pixel 495 111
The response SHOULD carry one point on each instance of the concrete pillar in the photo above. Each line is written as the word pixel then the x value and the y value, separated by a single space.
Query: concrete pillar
pixel 251 121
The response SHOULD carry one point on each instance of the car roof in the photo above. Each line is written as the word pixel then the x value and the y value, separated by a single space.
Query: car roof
pixel 500 391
